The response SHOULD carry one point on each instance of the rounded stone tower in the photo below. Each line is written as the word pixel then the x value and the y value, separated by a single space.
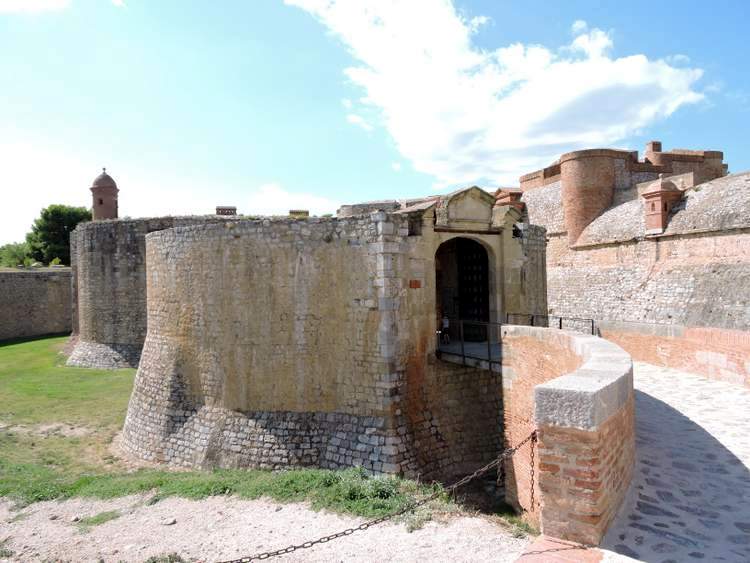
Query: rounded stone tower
pixel 104 192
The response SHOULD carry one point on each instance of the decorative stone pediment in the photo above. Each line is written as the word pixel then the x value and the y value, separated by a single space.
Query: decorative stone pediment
pixel 466 209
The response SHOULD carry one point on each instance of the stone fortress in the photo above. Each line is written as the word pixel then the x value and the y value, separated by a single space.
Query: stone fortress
pixel 302 341
pixel 282 341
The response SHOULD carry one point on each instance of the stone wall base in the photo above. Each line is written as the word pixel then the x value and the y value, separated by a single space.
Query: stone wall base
pixel 216 437
pixel 104 356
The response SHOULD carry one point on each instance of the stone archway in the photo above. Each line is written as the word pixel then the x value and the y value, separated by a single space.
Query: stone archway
pixel 462 286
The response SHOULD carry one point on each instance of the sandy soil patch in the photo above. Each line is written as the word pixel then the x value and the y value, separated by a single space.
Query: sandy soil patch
pixel 46 430
pixel 220 528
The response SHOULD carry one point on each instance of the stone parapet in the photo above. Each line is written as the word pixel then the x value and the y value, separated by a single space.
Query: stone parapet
pixel 577 391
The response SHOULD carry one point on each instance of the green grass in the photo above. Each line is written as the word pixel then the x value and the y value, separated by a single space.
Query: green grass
pixel 4 551
pixel 85 524
pixel 518 526
pixel 36 388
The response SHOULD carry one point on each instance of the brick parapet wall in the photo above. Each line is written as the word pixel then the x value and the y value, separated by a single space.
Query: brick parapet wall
pixel 577 391
pixel 35 302
pixel 717 353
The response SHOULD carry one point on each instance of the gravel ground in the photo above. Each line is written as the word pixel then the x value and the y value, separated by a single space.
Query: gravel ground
pixel 220 528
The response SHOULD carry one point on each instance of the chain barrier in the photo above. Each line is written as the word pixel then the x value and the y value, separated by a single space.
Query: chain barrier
pixel 531 462
pixel 365 525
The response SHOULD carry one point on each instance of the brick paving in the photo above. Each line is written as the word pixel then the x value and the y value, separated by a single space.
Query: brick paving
pixel 690 496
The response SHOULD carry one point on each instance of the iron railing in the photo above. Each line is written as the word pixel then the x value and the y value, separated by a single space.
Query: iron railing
pixel 587 326
pixel 471 340
pixel 479 343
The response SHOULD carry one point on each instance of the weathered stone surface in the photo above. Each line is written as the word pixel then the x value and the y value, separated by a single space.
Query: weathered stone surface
pixel 34 302
pixel 276 343
pixel 109 288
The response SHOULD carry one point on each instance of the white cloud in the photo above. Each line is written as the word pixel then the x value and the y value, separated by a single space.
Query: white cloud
pixel 594 44
pixel 347 103
pixel 678 59
pixel 359 121
pixel 274 199
pixel 119 3
pixel 477 22
pixel 465 114
pixel 578 27
pixel 396 166
pixel 31 6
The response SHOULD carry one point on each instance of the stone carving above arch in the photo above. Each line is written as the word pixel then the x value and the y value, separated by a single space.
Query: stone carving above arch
pixel 466 209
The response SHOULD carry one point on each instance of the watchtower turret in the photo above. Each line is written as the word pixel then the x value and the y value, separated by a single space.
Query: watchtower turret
pixel 104 192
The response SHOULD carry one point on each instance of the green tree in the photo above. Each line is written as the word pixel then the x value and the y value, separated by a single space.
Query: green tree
pixel 14 254
pixel 50 234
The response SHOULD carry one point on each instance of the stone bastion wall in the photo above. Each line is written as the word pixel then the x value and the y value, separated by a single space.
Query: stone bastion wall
pixel 577 391
pixel 34 302
pixel 109 288
pixel 276 343
pixel 680 299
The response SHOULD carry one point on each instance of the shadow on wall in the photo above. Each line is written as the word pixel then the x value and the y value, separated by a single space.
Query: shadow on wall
pixel 690 495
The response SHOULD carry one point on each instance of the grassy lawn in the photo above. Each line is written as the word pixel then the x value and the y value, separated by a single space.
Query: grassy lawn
pixel 40 461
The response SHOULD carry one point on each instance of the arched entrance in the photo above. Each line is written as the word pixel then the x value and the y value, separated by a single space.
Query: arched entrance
pixel 462 287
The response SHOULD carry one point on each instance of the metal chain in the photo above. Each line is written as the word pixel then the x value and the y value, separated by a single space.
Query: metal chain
pixel 408 508
pixel 533 443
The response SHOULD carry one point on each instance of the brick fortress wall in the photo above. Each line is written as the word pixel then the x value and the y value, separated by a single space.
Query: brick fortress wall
pixel 34 302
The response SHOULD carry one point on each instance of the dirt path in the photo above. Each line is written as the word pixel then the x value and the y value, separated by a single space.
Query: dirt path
pixel 221 528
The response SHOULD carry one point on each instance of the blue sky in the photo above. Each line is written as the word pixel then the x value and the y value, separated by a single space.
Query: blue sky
pixel 269 105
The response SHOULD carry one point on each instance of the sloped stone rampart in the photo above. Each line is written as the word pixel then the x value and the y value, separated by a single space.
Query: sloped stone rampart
pixel 577 391
pixel 34 302
pixel 263 348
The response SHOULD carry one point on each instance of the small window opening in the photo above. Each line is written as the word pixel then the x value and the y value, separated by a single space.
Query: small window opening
pixel 665 207
pixel 517 231
pixel 101 201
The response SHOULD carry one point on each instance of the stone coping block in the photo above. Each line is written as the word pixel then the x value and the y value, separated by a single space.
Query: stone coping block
pixel 588 396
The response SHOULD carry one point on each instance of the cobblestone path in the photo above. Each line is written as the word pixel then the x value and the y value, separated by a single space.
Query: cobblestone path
pixel 690 497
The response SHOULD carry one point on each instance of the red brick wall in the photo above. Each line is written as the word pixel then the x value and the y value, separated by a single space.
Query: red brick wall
pixel 717 353
pixel 583 476
pixel 527 362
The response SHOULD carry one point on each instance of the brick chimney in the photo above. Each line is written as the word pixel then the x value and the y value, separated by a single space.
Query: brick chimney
pixel 659 199
pixel 511 197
